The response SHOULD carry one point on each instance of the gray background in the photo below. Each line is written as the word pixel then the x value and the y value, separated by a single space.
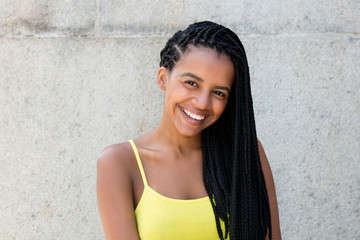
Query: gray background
pixel 76 76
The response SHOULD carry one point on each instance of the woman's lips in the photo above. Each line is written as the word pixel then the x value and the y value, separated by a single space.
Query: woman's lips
pixel 192 115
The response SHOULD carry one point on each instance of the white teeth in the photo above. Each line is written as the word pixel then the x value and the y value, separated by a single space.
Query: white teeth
pixel 194 116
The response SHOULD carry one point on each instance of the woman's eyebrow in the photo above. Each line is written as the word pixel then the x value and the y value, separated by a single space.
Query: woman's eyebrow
pixel 223 87
pixel 188 74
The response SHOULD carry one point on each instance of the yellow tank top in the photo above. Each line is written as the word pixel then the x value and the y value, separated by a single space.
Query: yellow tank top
pixel 162 218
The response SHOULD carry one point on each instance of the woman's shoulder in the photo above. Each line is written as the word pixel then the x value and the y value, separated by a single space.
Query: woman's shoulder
pixel 116 158
pixel 115 151
pixel 114 187
pixel 263 159
pixel 270 186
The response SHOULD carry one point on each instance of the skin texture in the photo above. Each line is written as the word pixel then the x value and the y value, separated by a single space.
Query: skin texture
pixel 171 154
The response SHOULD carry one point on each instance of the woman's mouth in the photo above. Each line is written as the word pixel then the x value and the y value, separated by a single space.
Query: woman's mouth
pixel 193 115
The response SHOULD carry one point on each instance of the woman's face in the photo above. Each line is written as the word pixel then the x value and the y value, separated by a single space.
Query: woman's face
pixel 197 89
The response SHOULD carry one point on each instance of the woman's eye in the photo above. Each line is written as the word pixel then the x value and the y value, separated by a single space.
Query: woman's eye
pixel 219 93
pixel 191 83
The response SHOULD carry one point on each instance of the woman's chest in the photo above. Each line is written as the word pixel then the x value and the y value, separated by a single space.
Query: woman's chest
pixel 159 217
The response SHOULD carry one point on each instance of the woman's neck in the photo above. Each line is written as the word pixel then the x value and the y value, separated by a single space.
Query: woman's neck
pixel 167 135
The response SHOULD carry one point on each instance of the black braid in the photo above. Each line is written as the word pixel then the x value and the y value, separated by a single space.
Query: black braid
pixel 232 170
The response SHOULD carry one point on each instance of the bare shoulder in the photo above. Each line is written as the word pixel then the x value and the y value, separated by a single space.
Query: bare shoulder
pixel 264 161
pixel 115 167
pixel 117 155
pixel 270 186
pixel 114 191
pixel 116 151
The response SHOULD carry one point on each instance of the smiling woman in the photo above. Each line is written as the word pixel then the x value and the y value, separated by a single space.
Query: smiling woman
pixel 202 173
pixel 196 90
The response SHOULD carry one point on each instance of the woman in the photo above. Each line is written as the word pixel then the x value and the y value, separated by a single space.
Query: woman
pixel 202 173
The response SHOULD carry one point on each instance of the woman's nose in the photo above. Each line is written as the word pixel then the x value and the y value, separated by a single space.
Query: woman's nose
pixel 202 100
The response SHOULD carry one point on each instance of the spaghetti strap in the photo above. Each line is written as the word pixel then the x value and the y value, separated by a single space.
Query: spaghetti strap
pixel 139 162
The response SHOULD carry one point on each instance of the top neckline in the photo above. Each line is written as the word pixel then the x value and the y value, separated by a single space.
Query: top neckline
pixel 177 200
pixel 147 186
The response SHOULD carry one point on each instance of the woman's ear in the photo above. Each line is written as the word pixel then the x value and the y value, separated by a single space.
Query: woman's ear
pixel 162 78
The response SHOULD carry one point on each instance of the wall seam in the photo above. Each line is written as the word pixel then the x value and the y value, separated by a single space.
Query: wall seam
pixel 97 24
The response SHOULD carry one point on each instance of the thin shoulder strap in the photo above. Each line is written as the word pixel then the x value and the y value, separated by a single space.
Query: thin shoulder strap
pixel 138 161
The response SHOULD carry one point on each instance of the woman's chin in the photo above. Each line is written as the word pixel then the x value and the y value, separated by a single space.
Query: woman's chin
pixel 187 132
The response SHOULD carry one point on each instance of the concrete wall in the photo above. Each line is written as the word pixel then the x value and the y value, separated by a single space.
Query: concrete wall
pixel 76 76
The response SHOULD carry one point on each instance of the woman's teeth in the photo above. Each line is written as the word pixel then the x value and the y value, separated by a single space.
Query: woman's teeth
pixel 193 115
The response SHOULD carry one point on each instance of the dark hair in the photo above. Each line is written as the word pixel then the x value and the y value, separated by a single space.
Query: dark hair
pixel 232 170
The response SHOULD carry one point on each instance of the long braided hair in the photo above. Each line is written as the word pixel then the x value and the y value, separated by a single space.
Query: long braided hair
pixel 232 172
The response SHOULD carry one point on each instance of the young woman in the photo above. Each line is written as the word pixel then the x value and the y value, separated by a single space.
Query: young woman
pixel 202 173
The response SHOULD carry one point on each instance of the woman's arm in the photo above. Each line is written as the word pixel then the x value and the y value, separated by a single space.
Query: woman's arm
pixel 270 186
pixel 115 194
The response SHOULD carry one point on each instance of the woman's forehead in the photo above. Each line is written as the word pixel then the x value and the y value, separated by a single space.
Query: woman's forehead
pixel 198 54
pixel 205 63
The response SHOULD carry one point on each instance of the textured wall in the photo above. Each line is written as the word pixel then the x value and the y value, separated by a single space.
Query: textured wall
pixel 76 76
